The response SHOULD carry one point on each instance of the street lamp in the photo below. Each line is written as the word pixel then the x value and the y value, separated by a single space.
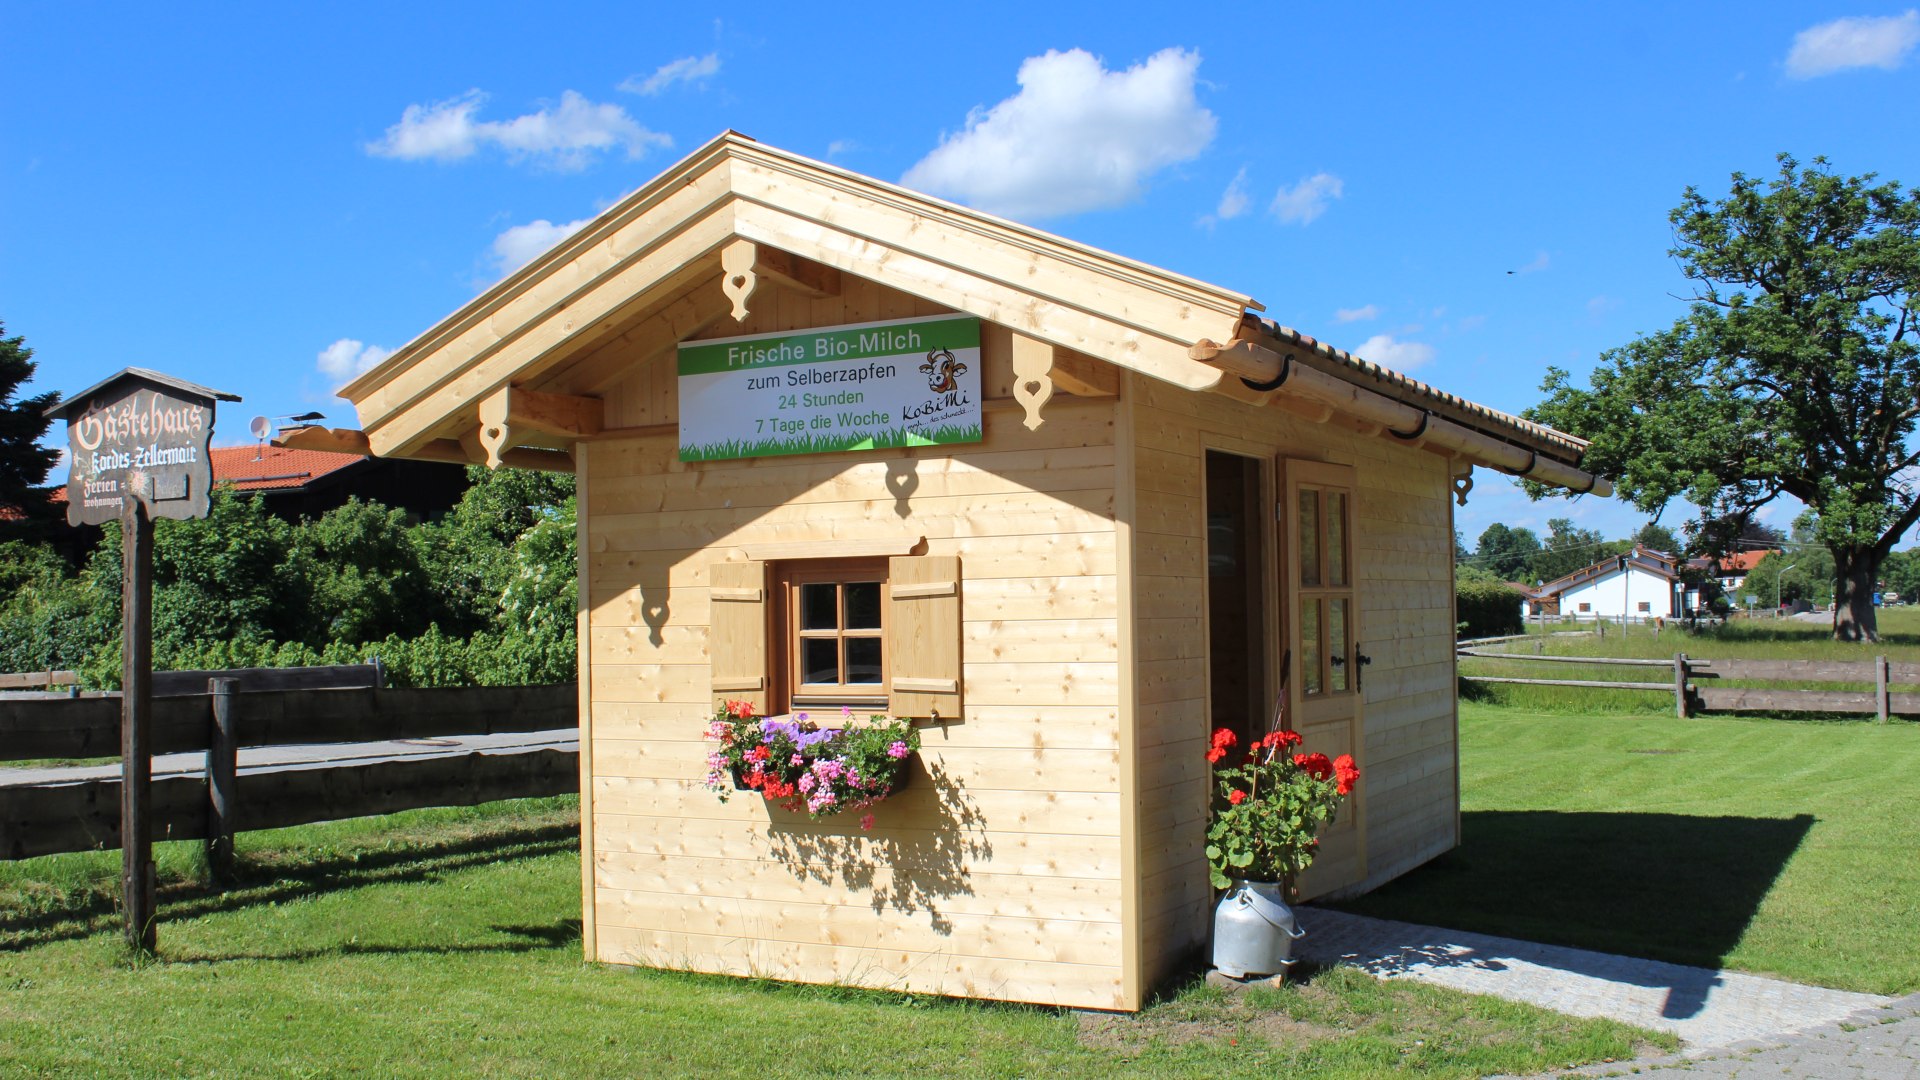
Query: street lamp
pixel 1777 578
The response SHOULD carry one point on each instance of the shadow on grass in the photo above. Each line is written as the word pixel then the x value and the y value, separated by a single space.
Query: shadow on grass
pixel 1666 887
pixel 532 939
pixel 277 877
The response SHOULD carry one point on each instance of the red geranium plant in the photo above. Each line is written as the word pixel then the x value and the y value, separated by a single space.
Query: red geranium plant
pixel 1272 807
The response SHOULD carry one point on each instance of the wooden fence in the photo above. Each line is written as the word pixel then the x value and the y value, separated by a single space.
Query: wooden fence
pixel 1690 680
pixel 48 818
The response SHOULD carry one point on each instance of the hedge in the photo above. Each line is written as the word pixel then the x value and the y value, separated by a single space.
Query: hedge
pixel 1488 609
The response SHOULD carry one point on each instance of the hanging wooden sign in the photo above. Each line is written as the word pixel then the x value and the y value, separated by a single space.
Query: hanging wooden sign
pixel 139 435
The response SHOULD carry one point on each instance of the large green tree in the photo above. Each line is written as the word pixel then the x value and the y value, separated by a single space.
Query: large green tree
pixel 24 463
pixel 1794 372
pixel 1504 552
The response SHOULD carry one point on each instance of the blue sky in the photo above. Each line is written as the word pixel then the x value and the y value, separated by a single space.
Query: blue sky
pixel 262 199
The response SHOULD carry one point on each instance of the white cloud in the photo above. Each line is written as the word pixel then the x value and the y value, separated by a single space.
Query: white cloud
pixel 1233 201
pixel 1854 42
pixel 1306 200
pixel 1540 262
pixel 841 146
pixel 347 358
pixel 1076 137
pixel 685 69
pixel 519 245
pixel 564 137
pixel 1357 314
pixel 1601 305
pixel 1382 349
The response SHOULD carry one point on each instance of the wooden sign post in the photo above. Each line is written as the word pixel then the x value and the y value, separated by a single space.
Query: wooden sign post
pixel 137 450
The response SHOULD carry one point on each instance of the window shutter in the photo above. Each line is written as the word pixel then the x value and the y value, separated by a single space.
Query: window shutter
pixel 923 636
pixel 737 634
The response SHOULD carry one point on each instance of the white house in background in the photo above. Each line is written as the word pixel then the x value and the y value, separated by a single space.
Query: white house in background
pixel 1641 584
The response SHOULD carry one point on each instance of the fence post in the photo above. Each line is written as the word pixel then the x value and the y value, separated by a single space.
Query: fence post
pixel 1881 698
pixel 223 766
pixel 1680 704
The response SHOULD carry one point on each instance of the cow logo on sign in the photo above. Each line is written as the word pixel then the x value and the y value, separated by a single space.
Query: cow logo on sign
pixel 942 371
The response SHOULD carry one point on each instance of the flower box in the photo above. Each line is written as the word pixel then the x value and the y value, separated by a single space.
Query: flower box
pixel 798 765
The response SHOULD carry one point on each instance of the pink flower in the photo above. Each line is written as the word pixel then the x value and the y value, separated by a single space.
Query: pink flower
pixel 797 760
pixel 898 750
pixel 866 822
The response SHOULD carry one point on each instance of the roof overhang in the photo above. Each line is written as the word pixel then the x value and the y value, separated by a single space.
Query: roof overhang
pixel 647 274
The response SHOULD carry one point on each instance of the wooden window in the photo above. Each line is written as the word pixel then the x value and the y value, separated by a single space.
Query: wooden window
pixel 833 641
pixel 875 633
pixel 1586 607
pixel 1646 605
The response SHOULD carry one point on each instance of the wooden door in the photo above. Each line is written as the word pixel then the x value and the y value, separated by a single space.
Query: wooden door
pixel 1322 636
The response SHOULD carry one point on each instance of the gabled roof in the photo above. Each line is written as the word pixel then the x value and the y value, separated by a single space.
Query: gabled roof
pixel 1644 559
pixel 274 468
pixel 646 274
pixel 1743 562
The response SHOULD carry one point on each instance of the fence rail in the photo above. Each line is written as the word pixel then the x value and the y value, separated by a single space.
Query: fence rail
pixel 1692 698
pixel 44 818
pixel 35 680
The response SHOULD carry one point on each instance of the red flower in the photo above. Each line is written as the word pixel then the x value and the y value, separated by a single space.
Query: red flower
pixel 1223 740
pixel 740 710
pixel 1283 739
pixel 1236 797
pixel 759 753
pixel 1314 765
pixel 1346 773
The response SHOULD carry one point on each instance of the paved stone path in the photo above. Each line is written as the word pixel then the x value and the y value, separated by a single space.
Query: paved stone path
pixel 1711 1011
pixel 314 756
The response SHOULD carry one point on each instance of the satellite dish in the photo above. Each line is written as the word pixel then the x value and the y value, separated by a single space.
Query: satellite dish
pixel 261 427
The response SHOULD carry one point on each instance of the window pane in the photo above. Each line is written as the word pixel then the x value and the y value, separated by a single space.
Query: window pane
pixel 1310 647
pixel 820 660
pixel 819 609
pixel 1336 538
pixel 863 605
pixel 1337 644
pixel 1308 530
pixel 863 660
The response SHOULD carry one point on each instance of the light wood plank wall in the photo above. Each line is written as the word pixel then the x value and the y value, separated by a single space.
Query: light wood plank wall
pixel 1001 880
pixel 1403 547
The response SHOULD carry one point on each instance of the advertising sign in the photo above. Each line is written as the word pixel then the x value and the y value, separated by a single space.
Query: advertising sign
pixel 910 382
pixel 133 437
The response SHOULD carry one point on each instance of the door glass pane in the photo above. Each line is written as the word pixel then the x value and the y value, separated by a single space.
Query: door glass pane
pixel 1337 649
pixel 820 660
pixel 863 659
pixel 1310 647
pixel 1336 538
pixel 863 605
pixel 819 609
pixel 1308 529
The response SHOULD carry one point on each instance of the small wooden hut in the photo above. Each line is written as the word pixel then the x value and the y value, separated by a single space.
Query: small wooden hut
pixel 1076 513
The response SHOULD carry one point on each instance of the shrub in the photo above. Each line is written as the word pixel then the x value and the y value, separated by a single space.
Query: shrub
pixel 1488 609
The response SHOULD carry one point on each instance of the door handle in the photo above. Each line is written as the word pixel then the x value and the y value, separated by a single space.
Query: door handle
pixel 1362 661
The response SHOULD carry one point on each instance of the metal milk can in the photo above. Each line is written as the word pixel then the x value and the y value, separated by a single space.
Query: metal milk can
pixel 1254 930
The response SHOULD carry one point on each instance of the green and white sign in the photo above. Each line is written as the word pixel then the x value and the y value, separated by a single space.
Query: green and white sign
pixel 909 382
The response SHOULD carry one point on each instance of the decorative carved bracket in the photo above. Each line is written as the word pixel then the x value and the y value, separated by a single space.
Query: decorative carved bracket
pixel 744 263
pixel 1032 376
pixel 510 410
pixel 738 279
pixel 1462 482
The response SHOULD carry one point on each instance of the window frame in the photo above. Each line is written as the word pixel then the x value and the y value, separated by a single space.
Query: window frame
pixel 784 658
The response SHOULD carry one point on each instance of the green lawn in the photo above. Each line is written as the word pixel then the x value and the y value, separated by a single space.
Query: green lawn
pixel 1786 847
pixel 446 943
